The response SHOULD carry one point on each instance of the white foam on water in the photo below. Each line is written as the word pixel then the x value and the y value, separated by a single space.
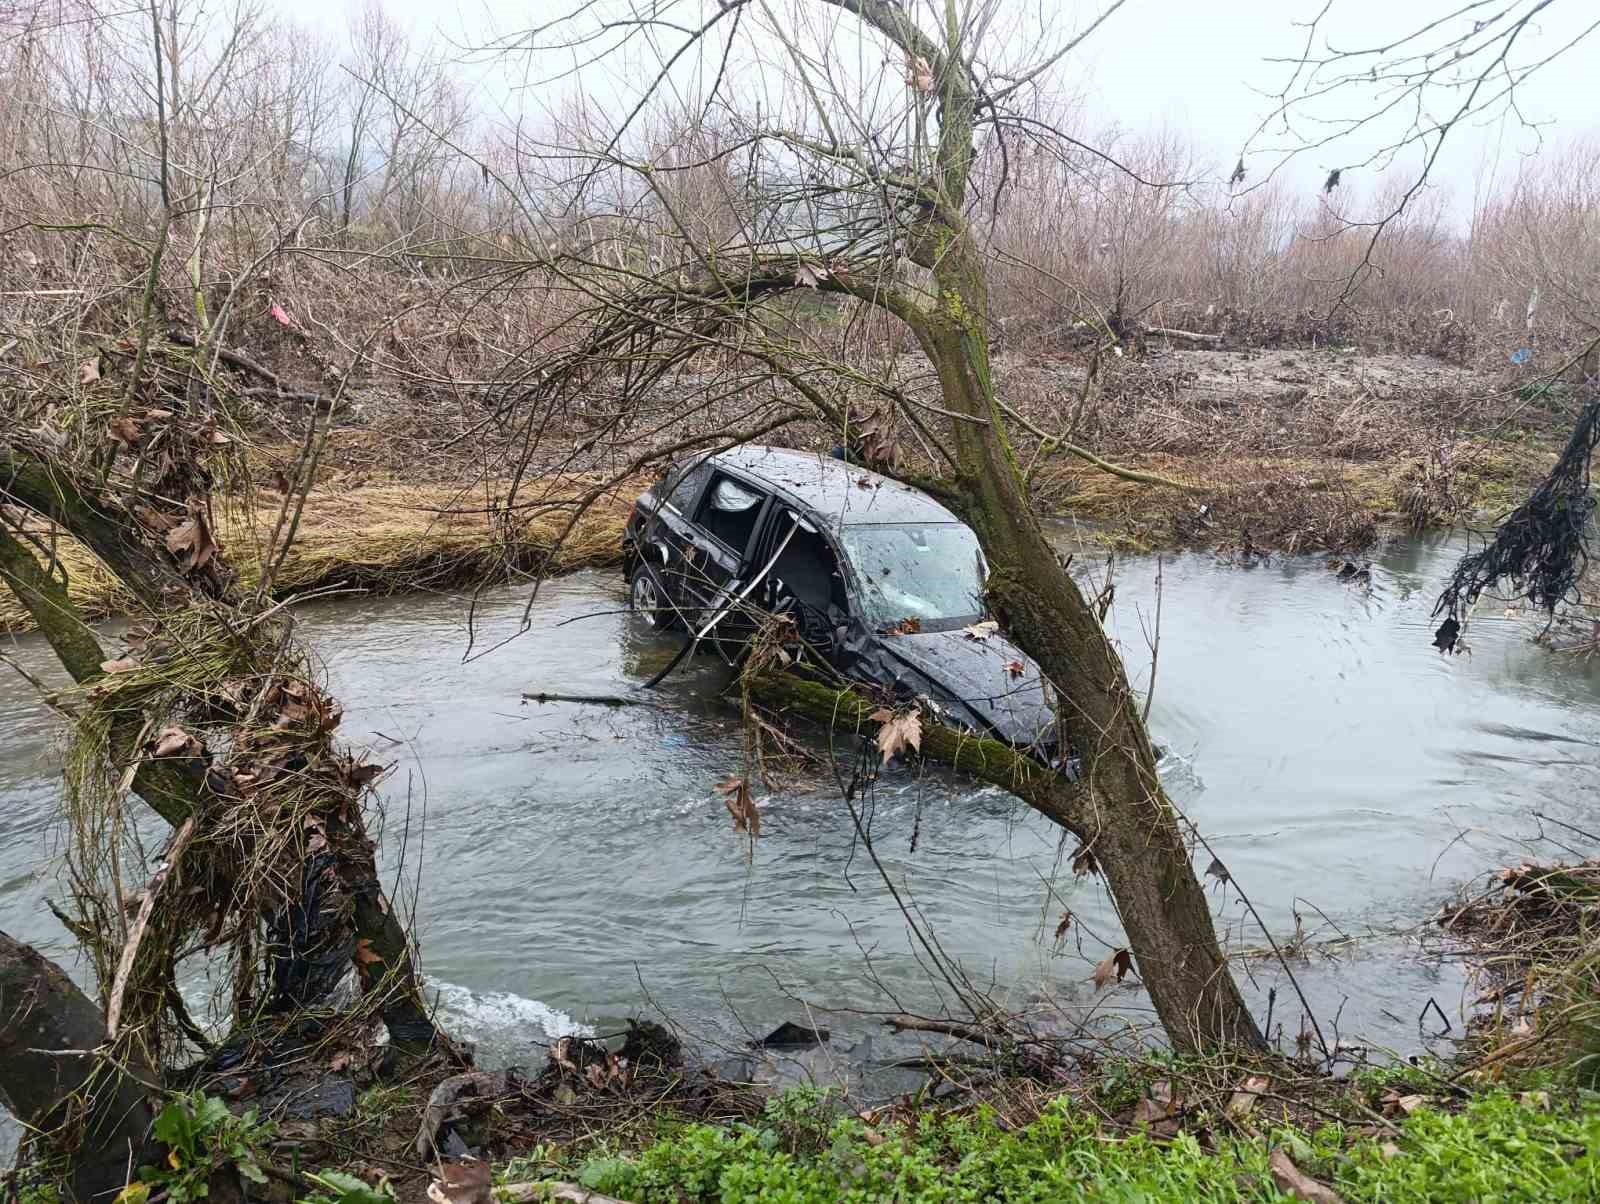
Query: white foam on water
pixel 499 1015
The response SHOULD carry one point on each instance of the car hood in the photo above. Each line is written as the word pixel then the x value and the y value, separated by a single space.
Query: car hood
pixel 980 681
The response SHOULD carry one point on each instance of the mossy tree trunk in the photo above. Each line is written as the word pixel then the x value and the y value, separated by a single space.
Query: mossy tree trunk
pixel 1123 815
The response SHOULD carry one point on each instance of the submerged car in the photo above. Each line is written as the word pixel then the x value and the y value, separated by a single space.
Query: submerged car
pixel 881 581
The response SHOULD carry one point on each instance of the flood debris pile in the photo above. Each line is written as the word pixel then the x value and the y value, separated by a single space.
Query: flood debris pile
pixel 262 884
pixel 1530 937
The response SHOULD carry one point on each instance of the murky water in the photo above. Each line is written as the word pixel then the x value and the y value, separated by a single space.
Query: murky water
pixel 573 864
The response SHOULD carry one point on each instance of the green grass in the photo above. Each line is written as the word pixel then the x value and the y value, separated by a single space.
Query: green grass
pixel 1498 1147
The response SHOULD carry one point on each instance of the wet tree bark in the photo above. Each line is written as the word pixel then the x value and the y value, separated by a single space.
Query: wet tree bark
pixel 81 1108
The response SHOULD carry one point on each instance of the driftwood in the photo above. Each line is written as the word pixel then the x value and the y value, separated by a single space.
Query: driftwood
pixel 475 1084
pixel 552 1189
pixel 599 700
pixel 947 1028
pixel 1169 332
pixel 51 1075
pixel 280 390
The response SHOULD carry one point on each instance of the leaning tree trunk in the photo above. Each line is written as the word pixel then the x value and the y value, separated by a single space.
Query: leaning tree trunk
pixel 79 1108
pixel 1124 817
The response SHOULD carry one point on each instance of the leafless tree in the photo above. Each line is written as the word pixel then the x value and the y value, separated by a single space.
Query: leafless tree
pixel 855 181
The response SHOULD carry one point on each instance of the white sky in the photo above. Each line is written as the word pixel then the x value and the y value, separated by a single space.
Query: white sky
pixel 1198 69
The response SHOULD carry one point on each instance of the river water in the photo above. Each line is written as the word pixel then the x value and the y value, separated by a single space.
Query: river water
pixel 572 865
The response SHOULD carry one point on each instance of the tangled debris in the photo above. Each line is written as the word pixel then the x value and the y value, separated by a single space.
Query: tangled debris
pixel 1531 941
pixel 1540 547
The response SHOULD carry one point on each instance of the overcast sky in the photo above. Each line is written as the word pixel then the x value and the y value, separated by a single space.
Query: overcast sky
pixel 1200 69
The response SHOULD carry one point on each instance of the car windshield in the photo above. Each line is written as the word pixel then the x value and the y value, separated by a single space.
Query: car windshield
pixel 929 572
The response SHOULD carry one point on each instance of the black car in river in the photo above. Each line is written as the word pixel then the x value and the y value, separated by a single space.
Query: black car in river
pixel 881 581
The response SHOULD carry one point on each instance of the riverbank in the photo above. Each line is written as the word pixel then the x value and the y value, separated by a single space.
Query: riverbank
pixel 600 1127
pixel 1287 450
pixel 1502 1145
pixel 379 538
pixel 367 530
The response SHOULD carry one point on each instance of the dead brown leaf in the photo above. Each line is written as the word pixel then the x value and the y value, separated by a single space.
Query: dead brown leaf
pixel 1293 1181
pixel 192 544
pixel 1397 1104
pixel 1245 1097
pixel 1116 964
pixel 1157 1104
pixel 919 74
pixel 89 371
pixel 156 520
pixel 1015 668
pixel 365 953
pixel 877 439
pixel 898 731
pixel 981 631
pixel 1066 923
pixel 465 1182
pixel 175 742
pixel 123 664
pixel 1083 862
pixel 735 791
pixel 362 776
pixel 125 430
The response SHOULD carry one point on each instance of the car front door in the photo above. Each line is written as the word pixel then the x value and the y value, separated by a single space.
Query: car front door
pixel 727 527
pixel 674 538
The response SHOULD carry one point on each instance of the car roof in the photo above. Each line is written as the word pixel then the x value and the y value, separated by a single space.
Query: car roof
pixel 839 492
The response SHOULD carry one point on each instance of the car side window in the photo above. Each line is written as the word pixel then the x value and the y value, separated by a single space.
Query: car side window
pixel 730 511
pixel 684 484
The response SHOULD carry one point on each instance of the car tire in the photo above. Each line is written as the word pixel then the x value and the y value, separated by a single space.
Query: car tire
pixel 648 599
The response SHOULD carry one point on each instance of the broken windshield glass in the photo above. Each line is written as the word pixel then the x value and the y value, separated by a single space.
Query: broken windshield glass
pixel 930 572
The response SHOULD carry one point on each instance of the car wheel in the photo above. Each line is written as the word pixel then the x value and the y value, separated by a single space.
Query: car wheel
pixel 648 599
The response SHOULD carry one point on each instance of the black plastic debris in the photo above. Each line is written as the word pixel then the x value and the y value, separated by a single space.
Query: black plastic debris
pixel 790 1035
pixel 1445 638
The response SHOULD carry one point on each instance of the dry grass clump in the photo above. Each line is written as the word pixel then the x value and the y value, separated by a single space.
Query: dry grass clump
pixel 1534 940
pixel 385 538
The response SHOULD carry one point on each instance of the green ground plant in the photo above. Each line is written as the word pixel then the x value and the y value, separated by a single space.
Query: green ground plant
pixel 1501 1145
pixel 202 1137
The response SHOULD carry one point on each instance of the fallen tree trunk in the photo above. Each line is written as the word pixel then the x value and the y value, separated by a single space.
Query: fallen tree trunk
pixel 1194 336
pixel 82 1109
